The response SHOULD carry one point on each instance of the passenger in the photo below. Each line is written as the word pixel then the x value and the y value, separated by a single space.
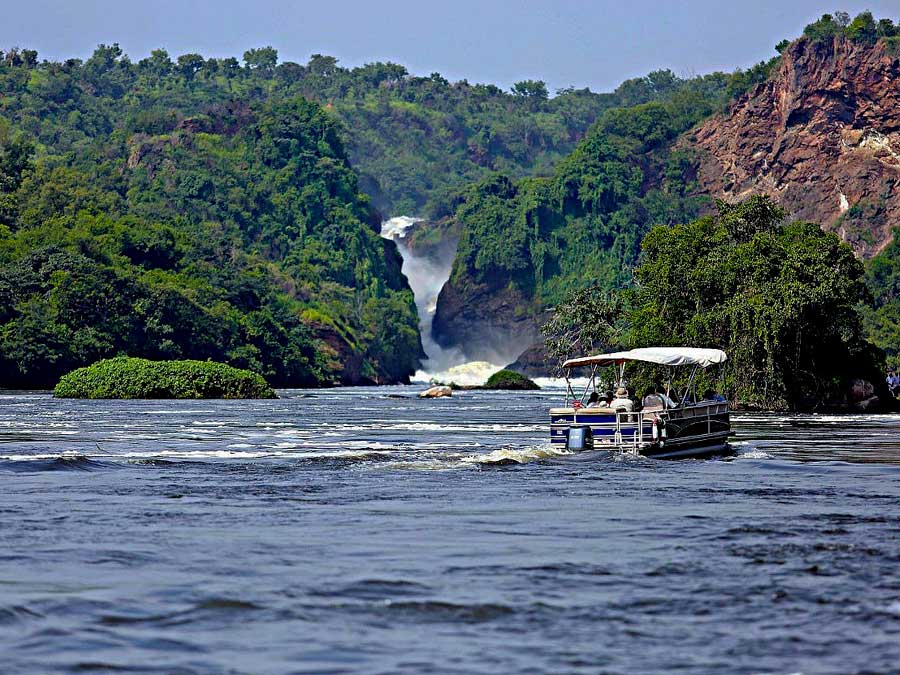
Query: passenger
pixel 652 400
pixel 609 397
pixel 594 400
pixel 622 401
pixel 712 395
pixel 667 402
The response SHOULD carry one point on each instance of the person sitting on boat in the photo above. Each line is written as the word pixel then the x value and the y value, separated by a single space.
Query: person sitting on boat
pixel 656 398
pixel 713 395
pixel 652 401
pixel 594 401
pixel 608 397
pixel 622 401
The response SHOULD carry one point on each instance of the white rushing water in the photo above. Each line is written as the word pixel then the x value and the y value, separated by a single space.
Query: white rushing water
pixel 426 277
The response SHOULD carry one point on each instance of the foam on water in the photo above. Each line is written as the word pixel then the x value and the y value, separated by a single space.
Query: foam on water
pixel 516 455
pixel 470 374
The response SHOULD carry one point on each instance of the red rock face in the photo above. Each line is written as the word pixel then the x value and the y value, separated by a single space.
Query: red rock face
pixel 822 137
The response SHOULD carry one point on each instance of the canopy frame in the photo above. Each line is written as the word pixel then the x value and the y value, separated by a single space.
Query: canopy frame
pixel 664 356
pixel 670 357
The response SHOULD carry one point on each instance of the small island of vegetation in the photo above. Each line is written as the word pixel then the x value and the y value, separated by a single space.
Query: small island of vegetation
pixel 132 378
pixel 509 379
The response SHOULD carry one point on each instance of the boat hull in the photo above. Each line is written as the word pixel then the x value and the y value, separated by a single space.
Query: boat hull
pixel 694 431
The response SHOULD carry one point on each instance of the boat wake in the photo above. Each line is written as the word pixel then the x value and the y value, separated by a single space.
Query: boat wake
pixel 511 455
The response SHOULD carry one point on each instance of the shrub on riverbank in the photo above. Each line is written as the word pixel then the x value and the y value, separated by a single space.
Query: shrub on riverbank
pixel 132 378
pixel 508 379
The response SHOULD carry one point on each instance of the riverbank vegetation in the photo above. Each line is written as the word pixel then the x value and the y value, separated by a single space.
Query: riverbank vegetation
pixel 584 224
pixel 781 298
pixel 132 378
pixel 209 208
pixel 532 242
pixel 202 208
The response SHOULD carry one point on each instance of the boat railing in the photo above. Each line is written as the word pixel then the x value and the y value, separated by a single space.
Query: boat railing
pixel 632 430
pixel 631 426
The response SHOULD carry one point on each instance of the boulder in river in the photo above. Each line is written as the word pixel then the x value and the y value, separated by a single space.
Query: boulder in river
pixel 438 391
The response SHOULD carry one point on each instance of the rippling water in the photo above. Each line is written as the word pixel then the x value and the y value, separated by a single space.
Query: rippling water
pixel 364 530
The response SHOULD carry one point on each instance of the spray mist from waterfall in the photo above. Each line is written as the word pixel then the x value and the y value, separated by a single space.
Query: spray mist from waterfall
pixel 426 276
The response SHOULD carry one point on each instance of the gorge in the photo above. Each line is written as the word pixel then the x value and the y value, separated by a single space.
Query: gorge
pixel 427 270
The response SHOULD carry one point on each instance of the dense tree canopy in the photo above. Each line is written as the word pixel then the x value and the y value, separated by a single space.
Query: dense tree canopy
pixel 238 235
pixel 780 298
pixel 583 225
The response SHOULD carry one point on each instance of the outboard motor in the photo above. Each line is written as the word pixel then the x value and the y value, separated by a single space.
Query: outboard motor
pixel 579 439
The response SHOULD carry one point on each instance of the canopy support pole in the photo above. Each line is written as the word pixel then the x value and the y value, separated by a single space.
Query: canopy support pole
pixel 689 387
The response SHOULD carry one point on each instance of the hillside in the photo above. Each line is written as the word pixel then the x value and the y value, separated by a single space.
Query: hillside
pixel 524 245
pixel 815 128
pixel 414 140
pixel 130 225
pixel 201 208
pixel 821 137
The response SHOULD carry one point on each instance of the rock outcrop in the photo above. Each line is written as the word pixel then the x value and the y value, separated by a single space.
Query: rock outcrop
pixel 821 137
pixel 533 362
pixel 438 391
pixel 487 323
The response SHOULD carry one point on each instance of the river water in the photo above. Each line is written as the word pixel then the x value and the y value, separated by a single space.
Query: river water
pixel 366 531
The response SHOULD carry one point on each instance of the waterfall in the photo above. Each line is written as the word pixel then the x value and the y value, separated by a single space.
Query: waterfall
pixel 426 277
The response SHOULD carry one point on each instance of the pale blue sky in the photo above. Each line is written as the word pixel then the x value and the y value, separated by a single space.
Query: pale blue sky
pixel 567 42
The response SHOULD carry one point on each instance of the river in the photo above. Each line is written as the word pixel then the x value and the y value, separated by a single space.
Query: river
pixel 367 531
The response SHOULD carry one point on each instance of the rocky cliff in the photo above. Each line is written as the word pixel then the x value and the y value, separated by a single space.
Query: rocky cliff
pixel 487 323
pixel 822 137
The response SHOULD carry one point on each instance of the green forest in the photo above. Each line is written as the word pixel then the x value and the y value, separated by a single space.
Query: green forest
pixel 197 208
pixel 582 227
pixel 781 298
pixel 214 208
pixel 238 234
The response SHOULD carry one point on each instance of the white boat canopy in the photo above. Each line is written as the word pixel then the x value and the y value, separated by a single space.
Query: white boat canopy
pixel 665 356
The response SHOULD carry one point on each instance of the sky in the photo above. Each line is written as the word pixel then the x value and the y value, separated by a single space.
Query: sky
pixel 579 43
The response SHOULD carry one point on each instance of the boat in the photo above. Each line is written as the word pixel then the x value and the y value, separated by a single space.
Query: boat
pixel 657 427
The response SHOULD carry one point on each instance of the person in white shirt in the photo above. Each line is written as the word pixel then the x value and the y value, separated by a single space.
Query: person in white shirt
pixel 622 401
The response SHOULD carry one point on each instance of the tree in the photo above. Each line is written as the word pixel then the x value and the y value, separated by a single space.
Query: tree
pixel 823 29
pixel 263 59
pixel 158 63
pixel 863 29
pixel 322 66
pixel 886 28
pixel 29 58
pixel 230 67
pixel 753 216
pixel 590 320
pixel 189 65
pixel 780 299
pixel 103 59
pixel 108 71
pixel 533 89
